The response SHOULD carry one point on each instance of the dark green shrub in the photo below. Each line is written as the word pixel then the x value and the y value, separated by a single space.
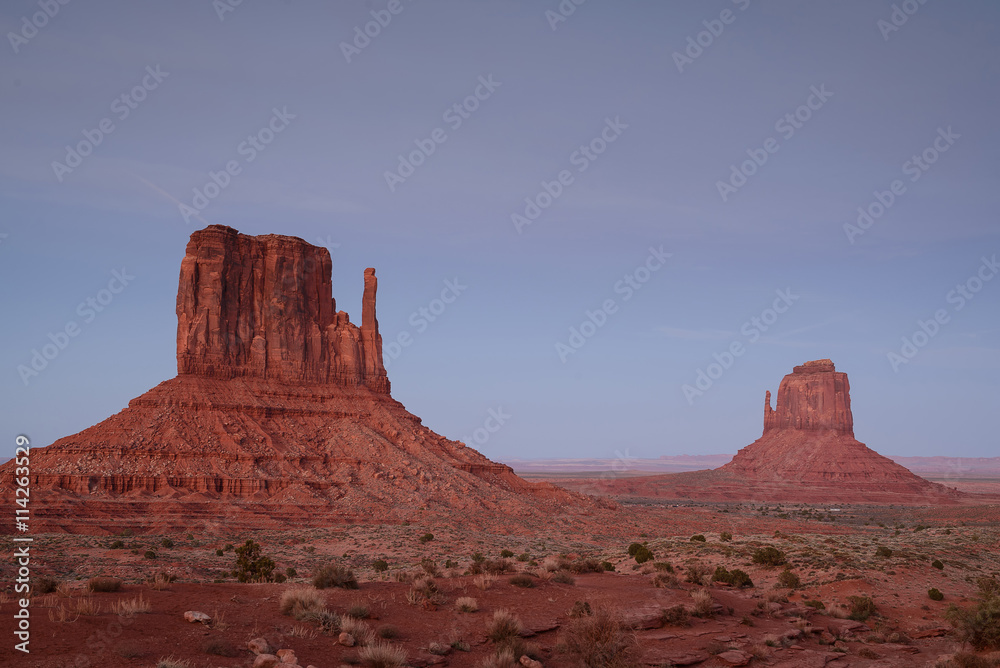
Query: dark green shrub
pixel 725 536
pixel 735 577
pixel 935 594
pixel 980 625
pixel 589 565
pixel 506 554
pixel 335 575
pixel 116 545
pixel 280 577
pixel 698 538
pixel 643 554
pixel 166 542
pixel 663 566
pixel 883 551
pixel 388 632
pixel 380 565
pixel 149 554
pixel 580 609
pixel 427 537
pixel 937 564
pixel 291 572
pixel 819 605
pixel 219 553
pixel 633 548
pixel 608 566
pixel 768 556
pixel 524 556
pixel 251 565
pixel 676 616
pixel 478 558
pixel 789 579
pixel 562 577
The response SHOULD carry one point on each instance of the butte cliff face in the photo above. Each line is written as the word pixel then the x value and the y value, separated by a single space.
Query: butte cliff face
pixel 280 415
pixel 807 453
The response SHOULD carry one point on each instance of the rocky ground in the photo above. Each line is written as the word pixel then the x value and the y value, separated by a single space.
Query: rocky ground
pixel 835 555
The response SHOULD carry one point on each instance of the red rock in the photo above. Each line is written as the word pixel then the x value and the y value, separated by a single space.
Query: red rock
pixel 664 657
pixel 280 414
pixel 734 657
pixel 807 453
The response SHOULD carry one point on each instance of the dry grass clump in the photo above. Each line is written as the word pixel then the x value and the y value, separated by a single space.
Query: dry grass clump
pixel 503 658
pixel 503 626
pixel 676 616
pixel 522 580
pixel 703 603
pixel 87 607
pixel 362 633
pixel 62 615
pixel 301 601
pixel 484 581
pixel 130 607
pixel 102 584
pixel 335 575
pixel 600 641
pixel 424 592
pixel 382 655
pixel 466 604
pixel 171 662
pixel 696 573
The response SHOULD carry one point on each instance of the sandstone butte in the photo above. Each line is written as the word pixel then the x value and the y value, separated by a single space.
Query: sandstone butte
pixel 806 454
pixel 279 416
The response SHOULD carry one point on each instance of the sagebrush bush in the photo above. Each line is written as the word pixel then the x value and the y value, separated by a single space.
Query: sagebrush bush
pixel 735 577
pixel 102 584
pixel 768 556
pixel 698 538
pixel 676 616
pixel 380 565
pixel 789 579
pixel 935 594
pixel 600 641
pixel 862 608
pixel 725 536
pixel 335 575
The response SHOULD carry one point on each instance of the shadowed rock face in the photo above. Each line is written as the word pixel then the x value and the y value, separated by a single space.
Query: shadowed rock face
pixel 263 307
pixel 280 416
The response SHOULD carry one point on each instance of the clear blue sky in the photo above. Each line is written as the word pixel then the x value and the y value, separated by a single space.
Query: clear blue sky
pixel 879 96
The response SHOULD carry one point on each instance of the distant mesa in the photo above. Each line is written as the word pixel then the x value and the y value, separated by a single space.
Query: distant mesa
pixel 807 453
pixel 280 414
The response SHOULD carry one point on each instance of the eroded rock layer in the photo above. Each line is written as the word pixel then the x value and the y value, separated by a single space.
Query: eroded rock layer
pixel 280 416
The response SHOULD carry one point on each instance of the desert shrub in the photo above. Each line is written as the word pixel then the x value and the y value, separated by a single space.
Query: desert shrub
pixel 335 575
pixel 703 603
pixel 633 548
pixel 819 605
pixel 789 579
pixel 219 552
pixel 600 641
pixel 735 577
pixel 358 611
pixel 363 634
pixel 129 607
pixel 116 545
pixel 228 547
pixel 676 616
pixel 979 626
pixel 967 660
pixel 251 565
pixel 430 567
pixel 166 542
pixel 862 608
pixel 427 537
pixel 491 566
pixel 299 602
pixel 101 584
pixel 696 573
pixel 280 577
pixel 523 580
pixel 643 554
pixel 171 662
pixel 478 558
pixel 466 604
pixel 524 556
pixel 387 632
pixel 291 572
pixel 380 565
pixel 663 566
pixel 725 536
pixel 883 551
pixel 506 554
pixel 328 622
pixel 665 580
pixel 502 626
pixel 935 594
pixel 698 538
pixel 424 592
pixel 768 556
pixel 382 655
pixel 937 564
pixel 580 609
pixel 562 577
pixel 221 647
pixel 149 554
pixel 589 565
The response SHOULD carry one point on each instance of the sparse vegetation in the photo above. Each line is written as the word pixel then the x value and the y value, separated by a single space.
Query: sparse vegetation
pixel 676 616
pixel 883 551
pixel 221 647
pixel 861 608
pixel 466 604
pixel 698 538
pixel 103 584
pixel 335 575
pixel 380 565
pixel 600 641
pixel 769 556
pixel 640 552
pixel 789 579
pixel 937 564
pixel 703 603
pixel 735 577
pixel 935 594
pixel 299 602
pixel 523 580
pixel 979 626
pixel 427 537
pixel 382 655
pixel 725 536
pixel 562 577
pixel 251 565
pixel 502 626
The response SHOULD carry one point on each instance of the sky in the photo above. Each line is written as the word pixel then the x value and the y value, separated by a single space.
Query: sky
pixel 614 196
